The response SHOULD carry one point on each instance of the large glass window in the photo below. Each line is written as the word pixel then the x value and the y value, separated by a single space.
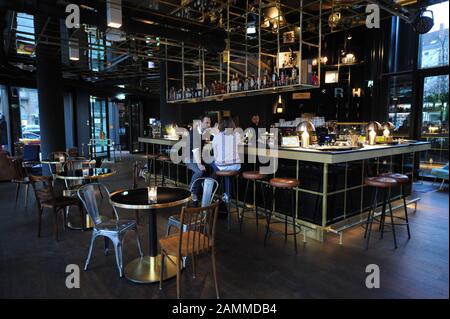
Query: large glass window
pixel 400 101
pixel 4 118
pixel 99 126
pixel 433 46
pixel 435 122
pixel 25 40
pixel 29 116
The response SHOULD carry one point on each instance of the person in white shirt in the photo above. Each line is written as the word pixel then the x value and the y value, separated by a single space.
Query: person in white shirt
pixel 226 151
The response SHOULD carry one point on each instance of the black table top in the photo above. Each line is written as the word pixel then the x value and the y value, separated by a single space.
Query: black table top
pixel 87 173
pixel 138 198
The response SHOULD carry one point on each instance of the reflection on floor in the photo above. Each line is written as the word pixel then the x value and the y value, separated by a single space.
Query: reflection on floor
pixel 35 268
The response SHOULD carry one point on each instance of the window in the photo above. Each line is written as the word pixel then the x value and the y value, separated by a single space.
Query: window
pixel 433 46
pixel 400 101
pixel 4 118
pixel 25 41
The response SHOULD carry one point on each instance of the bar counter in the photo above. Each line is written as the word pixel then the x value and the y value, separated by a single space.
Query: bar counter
pixel 345 199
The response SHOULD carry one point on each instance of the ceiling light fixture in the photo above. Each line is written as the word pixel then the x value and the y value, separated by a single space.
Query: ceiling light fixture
pixel 114 13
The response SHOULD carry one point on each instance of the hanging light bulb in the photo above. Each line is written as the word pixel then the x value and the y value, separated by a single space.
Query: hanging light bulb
pixel 114 13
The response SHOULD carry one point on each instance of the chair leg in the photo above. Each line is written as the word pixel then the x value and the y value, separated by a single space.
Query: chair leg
pixel 106 246
pixel 138 242
pixel 213 261
pixel 161 269
pixel 256 207
pixel 40 211
pixel 293 220
pixel 17 192
pixel 178 277
pixel 26 195
pixel 392 225
pixel 383 214
pixel 55 216
pixel 370 219
pixel 406 215
pixel 194 264
pixel 91 245
pixel 137 216
pixel 241 219
pixel 118 250
pixel 263 198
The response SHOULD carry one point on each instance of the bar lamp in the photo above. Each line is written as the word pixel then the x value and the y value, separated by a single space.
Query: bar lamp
pixel 372 129
pixel 305 128
pixel 388 129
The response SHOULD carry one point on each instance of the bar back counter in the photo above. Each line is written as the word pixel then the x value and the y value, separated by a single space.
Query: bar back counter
pixel 331 196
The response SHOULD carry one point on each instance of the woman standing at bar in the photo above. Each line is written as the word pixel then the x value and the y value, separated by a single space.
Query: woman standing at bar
pixel 226 152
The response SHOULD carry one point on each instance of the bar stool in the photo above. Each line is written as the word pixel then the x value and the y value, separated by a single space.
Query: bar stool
pixel 252 176
pixel 401 180
pixel 151 163
pixel 163 160
pixel 384 184
pixel 223 177
pixel 286 184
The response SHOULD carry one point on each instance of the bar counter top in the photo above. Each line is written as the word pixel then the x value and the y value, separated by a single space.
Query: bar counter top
pixel 321 156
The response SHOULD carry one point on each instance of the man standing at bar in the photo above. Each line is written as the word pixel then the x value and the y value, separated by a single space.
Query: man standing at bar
pixel 195 145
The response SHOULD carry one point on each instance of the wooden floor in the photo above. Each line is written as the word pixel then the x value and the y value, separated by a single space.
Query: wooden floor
pixel 32 267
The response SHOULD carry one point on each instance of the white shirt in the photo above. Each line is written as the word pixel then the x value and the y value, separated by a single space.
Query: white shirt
pixel 226 151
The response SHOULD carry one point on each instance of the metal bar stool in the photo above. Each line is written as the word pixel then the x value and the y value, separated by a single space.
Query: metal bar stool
pixel 252 176
pixel 384 184
pixel 286 184
pixel 151 164
pixel 224 176
pixel 163 160
pixel 401 180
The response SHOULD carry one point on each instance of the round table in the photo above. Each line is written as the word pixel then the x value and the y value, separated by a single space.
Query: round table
pixel 147 268
pixel 85 174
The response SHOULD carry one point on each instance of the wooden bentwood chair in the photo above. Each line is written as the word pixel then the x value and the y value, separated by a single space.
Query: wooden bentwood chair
pixel 198 238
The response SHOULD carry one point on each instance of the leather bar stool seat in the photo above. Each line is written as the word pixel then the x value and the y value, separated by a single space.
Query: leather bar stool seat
pixel 163 158
pixel 399 178
pixel 280 182
pixel 253 175
pixel 380 182
pixel 227 173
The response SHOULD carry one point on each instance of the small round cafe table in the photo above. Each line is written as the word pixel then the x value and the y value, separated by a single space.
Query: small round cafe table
pixel 147 269
pixel 90 174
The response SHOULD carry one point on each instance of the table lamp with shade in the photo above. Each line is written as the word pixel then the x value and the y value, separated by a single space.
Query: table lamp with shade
pixel 388 131
pixel 305 129
pixel 372 129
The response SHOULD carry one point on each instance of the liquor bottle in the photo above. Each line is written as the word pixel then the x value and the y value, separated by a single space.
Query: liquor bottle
pixel 315 79
pixel 246 83
pixel 283 78
pixel 252 83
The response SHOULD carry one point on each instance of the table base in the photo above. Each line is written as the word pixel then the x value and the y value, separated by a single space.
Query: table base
pixel 147 269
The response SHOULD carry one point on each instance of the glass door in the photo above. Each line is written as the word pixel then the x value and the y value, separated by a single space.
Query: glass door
pixel 5 137
pixel 99 124
pixel 435 122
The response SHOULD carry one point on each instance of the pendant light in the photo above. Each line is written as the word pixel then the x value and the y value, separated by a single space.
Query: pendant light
pixel 114 13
